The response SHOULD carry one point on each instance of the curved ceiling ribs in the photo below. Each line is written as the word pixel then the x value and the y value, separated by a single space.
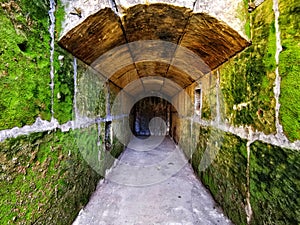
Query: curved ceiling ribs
pixel 144 43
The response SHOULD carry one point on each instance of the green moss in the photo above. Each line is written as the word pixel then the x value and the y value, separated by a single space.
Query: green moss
pixel 274 185
pixel 25 66
pixel 64 85
pixel 59 16
pixel 36 8
pixel 63 73
pixel 243 15
pixel 44 179
pixel 207 103
pixel 24 63
pixel 92 92
pixel 247 29
pixel 92 148
pixel 87 143
pixel 201 146
pixel 226 175
pixel 188 140
pixel 289 68
pixel 247 79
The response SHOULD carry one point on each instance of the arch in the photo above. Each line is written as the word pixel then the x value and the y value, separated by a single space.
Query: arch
pixel 210 39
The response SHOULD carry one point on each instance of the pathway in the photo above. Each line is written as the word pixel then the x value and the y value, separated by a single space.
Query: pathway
pixel 151 185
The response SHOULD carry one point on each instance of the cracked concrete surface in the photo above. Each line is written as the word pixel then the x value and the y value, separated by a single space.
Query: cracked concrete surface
pixel 173 197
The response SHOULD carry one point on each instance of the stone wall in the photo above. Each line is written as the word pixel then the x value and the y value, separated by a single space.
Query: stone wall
pixel 289 68
pixel 274 184
pixel 24 63
pixel 225 177
pixel 44 179
pixel 245 144
pixel 54 147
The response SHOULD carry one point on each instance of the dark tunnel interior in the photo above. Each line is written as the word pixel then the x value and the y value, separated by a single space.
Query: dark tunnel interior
pixel 145 114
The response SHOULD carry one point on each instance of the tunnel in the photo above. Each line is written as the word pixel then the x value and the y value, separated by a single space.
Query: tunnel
pixel 161 62
pixel 165 112
pixel 153 50
pixel 156 62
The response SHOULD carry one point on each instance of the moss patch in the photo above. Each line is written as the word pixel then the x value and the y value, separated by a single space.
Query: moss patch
pixel 24 63
pixel 92 92
pixel 64 85
pixel 59 16
pixel 44 179
pixel 247 79
pixel 92 148
pixel 289 67
pixel 63 73
pixel 274 185
pixel 243 15
pixel 226 175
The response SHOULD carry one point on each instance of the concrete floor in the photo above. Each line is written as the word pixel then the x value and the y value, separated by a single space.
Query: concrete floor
pixel 152 184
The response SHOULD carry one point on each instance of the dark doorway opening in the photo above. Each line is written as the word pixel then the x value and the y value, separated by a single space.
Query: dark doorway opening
pixel 151 116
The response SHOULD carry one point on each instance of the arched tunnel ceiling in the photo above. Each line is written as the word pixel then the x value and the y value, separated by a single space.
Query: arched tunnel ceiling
pixel 101 41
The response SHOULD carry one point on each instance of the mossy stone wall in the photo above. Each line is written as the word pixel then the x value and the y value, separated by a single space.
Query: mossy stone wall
pixel 45 178
pixel 225 177
pixel 273 177
pixel 24 63
pixel 269 178
pixel 247 79
pixel 289 67
pixel 25 66
pixel 274 184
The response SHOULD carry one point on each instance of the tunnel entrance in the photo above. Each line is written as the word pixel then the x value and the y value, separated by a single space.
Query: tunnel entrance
pixel 151 116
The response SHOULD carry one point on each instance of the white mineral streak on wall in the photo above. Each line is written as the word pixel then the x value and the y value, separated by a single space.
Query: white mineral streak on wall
pixel 243 132
pixel 43 125
pixel 52 37
pixel 39 126
pixel 248 208
pixel 279 128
